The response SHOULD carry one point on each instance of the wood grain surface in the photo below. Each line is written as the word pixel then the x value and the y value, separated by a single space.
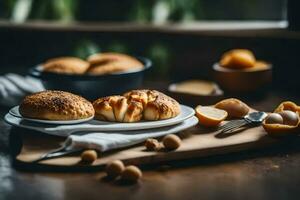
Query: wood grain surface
pixel 266 173
pixel 197 142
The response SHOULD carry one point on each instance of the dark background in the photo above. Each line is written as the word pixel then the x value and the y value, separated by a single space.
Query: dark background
pixel 177 55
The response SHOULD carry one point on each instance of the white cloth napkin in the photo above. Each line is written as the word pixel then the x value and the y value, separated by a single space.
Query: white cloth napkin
pixel 114 140
pixel 95 135
pixel 14 87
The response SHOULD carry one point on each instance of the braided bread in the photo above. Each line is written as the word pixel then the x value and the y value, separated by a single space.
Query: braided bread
pixel 136 105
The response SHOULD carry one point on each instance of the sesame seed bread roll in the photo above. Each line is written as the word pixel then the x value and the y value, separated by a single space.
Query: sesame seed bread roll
pixel 108 63
pixel 66 65
pixel 56 105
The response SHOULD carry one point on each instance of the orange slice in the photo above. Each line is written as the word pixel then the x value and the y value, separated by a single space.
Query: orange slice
pixel 210 116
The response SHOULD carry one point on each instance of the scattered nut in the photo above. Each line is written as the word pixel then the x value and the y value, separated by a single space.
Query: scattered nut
pixel 171 142
pixel 89 156
pixel 152 144
pixel 131 173
pixel 289 117
pixel 274 118
pixel 115 168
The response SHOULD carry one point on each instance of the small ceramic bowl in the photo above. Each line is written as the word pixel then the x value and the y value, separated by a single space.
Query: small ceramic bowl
pixel 243 81
pixel 195 99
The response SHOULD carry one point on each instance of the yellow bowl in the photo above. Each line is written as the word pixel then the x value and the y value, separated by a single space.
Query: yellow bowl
pixel 241 81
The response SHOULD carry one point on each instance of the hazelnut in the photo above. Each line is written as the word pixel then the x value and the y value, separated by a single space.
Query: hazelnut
pixel 131 173
pixel 152 144
pixel 274 118
pixel 171 142
pixel 89 156
pixel 289 117
pixel 115 168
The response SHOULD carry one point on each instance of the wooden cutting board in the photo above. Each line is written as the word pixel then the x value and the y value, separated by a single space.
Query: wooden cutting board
pixel 196 142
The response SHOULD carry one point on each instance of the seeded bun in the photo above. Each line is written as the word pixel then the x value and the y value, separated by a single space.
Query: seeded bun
pixel 108 63
pixel 56 105
pixel 66 65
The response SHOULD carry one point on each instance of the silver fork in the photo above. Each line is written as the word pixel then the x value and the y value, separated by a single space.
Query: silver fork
pixel 252 119
pixel 56 153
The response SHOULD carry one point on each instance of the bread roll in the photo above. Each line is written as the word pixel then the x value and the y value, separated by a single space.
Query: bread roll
pixel 104 108
pixel 238 59
pixel 137 95
pixel 107 63
pixel 136 105
pixel 134 112
pixel 162 107
pixel 56 105
pixel 120 108
pixel 66 65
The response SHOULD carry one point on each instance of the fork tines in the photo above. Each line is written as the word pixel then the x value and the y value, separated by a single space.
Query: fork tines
pixel 230 126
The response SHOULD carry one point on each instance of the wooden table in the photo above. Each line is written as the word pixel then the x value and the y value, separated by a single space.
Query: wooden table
pixel 272 173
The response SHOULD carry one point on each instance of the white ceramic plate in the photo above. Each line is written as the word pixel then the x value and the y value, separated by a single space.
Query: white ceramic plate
pixel 15 112
pixel 186 112
pixel 96 125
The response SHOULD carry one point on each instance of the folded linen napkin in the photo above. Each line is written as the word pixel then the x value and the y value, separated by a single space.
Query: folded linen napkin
pixel 93 136
pixel 14 87
pixel 114 140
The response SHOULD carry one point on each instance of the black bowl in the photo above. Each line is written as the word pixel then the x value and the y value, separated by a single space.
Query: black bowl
pixel 92 86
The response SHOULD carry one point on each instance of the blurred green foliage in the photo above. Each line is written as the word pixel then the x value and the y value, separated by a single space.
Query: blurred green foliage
pixel 117 46
pixel 84 48
pixel 22 10
pixel 161 56
pixel 142 11
pixel 156 12
pixel 63 10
